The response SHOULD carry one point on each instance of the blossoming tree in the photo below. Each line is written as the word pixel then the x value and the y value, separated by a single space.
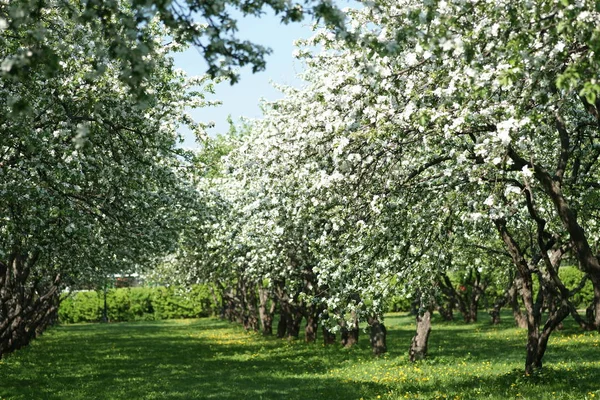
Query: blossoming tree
pixel 441 117
pixel 92 182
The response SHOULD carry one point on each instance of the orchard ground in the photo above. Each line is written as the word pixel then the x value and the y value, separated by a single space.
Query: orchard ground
pixel 210 358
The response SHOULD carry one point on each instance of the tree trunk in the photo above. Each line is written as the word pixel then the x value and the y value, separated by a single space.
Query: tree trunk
pixel 27 306
pixel 266 313
pixel 349 337
pixel 510 293
pixel 217 305
pixel 537 336
pixel 282 325
pixel 588 261
pixel 350 332
pixel 418 346
pixel 452 299
pixel 249 309
pixel 328 337
pixel 312 325
pixel 594 313
pixel 229 304
pixel 520 319
pixel 294 322
pixel 105 306
pixel 477 291
pixel 446 312
pixel 378 335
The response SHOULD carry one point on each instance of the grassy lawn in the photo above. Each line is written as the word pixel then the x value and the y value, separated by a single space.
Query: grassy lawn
pixel 208 358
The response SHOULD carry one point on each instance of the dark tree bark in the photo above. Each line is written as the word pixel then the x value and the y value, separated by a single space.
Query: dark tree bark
pixel 294 323
pixel 446 312
pixel 593 314
pixel 537 334
pixel 266 311
pixel 510 292
pixel 249 309
pixel 229 309
pixel 552 186
pixel 28 304
pixel 289 321
pixel 328 337
pixel 282 325
pixel 446 302
pixel 312 325
pixel 518 316
pixel 312 322
pixel 378 335
pixel 467 300
pixel 217 305
pixel 477 291
pixel 350 332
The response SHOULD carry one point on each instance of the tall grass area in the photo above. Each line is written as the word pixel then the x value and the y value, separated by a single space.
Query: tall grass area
pixel 209 358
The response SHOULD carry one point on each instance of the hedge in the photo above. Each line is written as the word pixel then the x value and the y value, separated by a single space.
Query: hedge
pixel 138 303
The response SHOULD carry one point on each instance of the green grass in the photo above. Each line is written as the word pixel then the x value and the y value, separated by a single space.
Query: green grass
pixel 208 358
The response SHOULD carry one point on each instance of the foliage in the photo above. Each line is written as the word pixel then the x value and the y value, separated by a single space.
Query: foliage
pixel 85 306
pixel 210 27
pixel 398 303
pixel 444 137
pixel 198 358
pixel 91 179
pixel 572 277
pixel 138 303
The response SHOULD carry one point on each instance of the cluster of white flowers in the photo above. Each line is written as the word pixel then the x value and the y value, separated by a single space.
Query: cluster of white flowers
pixel 401 150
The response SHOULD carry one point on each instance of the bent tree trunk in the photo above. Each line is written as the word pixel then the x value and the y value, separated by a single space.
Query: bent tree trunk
pixel 27 306
pixel 378 335
pixel 537 335
pixel 552 186
pixel 418 346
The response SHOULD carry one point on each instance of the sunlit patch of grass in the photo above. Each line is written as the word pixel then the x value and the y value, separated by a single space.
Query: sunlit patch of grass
pixel 209 358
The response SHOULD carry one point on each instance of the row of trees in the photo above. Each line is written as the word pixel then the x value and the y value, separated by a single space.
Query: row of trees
pixel 91 180
pixel 430 138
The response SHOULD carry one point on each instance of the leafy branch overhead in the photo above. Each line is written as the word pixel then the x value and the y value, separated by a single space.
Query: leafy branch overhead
pixel 210 26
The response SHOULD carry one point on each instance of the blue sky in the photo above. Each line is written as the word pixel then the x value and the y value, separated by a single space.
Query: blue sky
pixel 242 99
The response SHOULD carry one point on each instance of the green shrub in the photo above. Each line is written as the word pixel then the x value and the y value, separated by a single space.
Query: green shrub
pixel 398 303
pixel 138 303
pixel 571 276
pixel 81 307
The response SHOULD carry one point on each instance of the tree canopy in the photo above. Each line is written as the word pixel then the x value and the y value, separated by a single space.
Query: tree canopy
pixel 92 181
pixel 430 138
pixel 211 27
pixel 441 133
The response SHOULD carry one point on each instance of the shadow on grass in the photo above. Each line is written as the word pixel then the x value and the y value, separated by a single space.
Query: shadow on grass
pixel 170 361
pixel 198 359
